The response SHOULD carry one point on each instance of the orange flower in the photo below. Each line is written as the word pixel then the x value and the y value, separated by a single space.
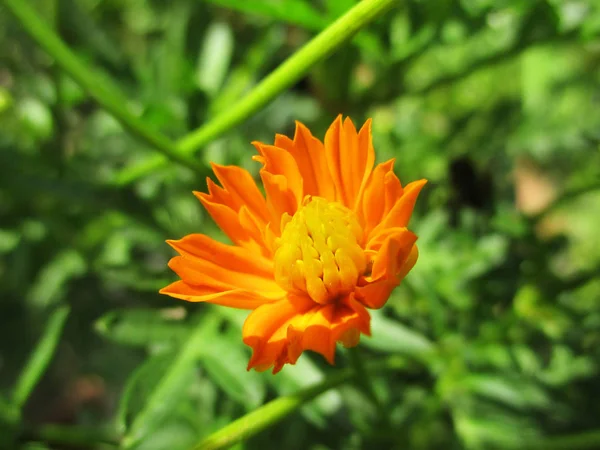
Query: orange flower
pixel 326 242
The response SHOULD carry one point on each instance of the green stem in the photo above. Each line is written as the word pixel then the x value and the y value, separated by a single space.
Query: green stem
pixel 288 73
pixel 267 415
pixel 276 410
pixel 93 84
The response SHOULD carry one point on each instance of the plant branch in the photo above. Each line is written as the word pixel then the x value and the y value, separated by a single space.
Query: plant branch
pixel 92 83
pixel 276 410
pixel 288 73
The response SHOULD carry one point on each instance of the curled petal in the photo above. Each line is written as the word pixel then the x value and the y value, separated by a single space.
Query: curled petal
pixel 382 191
pixel 282 180
pixel 279 332
pixel 399 214
pixel 242 189
pixel 350 157
pixel 395 254
pixel 237 207
pixel 217 273
pixel 309 154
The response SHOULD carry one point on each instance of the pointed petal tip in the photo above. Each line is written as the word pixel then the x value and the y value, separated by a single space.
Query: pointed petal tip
pixel 337 123
pixel 348 122
pixel 202 195
pixel 300 125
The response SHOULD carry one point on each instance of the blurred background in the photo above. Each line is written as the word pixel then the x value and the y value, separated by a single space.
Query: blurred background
pixel 495 102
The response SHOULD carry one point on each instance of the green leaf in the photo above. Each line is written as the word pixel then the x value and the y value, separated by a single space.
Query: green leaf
pixel 214 58
pixel 41 356
pixel 172 383
pixel 225 362
pixel 140 385
pixel 9 239
pixel 392 336
pixel 303 374
pixel 50 285
pixel 493 431
pixel 516 392
pixel 144 327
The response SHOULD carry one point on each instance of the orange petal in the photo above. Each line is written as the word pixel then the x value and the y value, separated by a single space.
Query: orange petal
pixel 350 157
pixel 282 180
pixel 242 189
pixel 309 154
pixel 396 255
pixel 236 298
pixel 217 273
pixel 237 207
pixel 400 213
pixel 228 219
pixel 382 191
pixel 280 331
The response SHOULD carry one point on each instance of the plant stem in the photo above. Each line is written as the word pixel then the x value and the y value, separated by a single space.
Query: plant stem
pixel 269 414
pixel 96 86
pixel 288 73
pixel 276 410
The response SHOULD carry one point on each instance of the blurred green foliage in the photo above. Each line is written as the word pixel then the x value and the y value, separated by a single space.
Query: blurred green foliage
pixel 496 330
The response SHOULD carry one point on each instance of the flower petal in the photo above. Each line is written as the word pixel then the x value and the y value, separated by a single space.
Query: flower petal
pixel 396 254
pixel 350 157
pixel 309 154
pixel 282 180
pixel 401 211
pixel 279 332
pixel 238 208
pixel 242 189
pixel 382 191
pixel 236 298
pixel 217 273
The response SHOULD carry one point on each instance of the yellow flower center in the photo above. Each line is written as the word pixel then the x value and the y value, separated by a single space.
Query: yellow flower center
pixel 319 251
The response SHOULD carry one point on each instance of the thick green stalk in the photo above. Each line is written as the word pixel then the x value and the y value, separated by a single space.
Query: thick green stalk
pixel 276 410
pixel 269 414
pixel 94 85
pixel 288 73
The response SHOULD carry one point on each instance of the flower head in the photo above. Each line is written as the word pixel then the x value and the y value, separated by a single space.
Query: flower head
pixel 328 240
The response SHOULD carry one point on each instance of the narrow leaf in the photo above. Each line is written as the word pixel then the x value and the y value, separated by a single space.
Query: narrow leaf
pixel 41 356
pixel 143 327
pixel 154 411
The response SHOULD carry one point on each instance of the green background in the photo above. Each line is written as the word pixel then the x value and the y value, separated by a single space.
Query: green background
pixel 491 342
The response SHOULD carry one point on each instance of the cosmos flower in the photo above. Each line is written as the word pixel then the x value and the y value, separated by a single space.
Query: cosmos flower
pixel 327 241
